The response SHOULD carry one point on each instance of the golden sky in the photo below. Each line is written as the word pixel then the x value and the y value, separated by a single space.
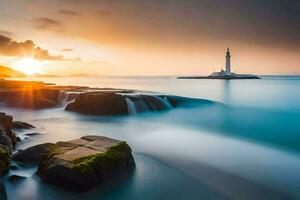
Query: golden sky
pixel 150 37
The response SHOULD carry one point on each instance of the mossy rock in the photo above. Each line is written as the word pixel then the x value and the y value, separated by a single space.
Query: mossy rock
pixel 5 151
pixel 5 158
pixel 81 164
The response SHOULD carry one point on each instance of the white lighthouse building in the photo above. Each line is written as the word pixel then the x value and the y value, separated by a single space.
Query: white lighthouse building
pixel 224 74
pixel 227 72
pixel 228 63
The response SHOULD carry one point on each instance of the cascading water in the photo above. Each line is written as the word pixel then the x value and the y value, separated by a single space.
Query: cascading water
pixel 144 103
pixel 65 97
pixel 164 100
pixel 130 106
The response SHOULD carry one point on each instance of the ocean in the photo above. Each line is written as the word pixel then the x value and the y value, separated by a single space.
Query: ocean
pixel 245 144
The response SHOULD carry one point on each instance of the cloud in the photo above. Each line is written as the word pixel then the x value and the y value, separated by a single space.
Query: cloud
pixel 6 33
pixel 67 49
pixel 9 47
pixel 270 23
pixel 68 12
pixel 47 23
pixel 104 12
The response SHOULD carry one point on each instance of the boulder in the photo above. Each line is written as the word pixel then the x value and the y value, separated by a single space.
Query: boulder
pixel 81 164
pixel 14 167
pixel 30 99
pixel 6 148
pixel 21 125
pixel 99 103
pixel 7 141
pixel 16 178
pixel 3 195
pixel 32 134
pixel 33 154
pixel 6 123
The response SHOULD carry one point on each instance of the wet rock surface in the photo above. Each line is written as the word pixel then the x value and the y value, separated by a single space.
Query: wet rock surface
pixel 99 103
pixel 7 141
pixel 33 154
pixel 6 124
pixel 81 164
pixel 21 125
pixel 16 178
pixel 3 195
pixel 33 99
pixel 32 134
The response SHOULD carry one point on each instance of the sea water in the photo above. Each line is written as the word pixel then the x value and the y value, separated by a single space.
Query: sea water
pixel 243 145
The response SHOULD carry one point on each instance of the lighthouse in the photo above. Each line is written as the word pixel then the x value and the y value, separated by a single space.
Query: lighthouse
pixel 228 64
pixel 224 74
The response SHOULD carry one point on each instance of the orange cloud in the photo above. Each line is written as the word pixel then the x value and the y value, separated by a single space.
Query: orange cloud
pixel 9 47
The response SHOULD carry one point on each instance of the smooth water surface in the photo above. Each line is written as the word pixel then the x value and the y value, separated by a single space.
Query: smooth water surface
pixel 244 145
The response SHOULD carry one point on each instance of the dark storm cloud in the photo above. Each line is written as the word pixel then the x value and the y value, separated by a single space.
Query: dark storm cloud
pixel 68 12
pixel 9 47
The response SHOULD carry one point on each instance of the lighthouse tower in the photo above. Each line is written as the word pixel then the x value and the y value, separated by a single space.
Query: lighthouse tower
pixel 228 64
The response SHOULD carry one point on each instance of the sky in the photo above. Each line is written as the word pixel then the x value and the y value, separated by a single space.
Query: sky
pixel 150 37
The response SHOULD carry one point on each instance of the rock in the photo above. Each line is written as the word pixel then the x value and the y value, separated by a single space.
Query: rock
pixel 32 134
pixel 72 96
pixel 16 178
pixel 99 103
pixel 30 98
pixel 81 164
pixel 21 125
pixel 14 167
pixel 18 139
pixel 6 123
pixel 27 138
pixel 41 103
pixel 3 195
pixel 6 148
pixel 5 158
pixel 33 154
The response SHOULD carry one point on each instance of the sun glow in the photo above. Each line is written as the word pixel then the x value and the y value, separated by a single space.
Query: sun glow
pixel 28 66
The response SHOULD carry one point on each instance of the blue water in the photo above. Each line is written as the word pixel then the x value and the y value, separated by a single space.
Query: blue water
pixel 244 144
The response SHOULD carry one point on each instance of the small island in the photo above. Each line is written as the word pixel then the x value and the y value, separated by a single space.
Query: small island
pixel 223 74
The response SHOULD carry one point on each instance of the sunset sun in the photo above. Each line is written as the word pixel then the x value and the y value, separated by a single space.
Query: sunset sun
pixel 28 65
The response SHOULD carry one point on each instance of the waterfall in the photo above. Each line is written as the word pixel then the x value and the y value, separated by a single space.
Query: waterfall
pixel 130 106
pixel 62 98
pixel 164 100
pixel 65 97
pixel 145 103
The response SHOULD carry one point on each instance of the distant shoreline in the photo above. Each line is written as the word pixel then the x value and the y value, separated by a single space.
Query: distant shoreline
pixel 219 77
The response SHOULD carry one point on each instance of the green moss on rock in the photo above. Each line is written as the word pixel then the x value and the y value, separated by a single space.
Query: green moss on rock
pixel 103 161
pixel 5 158
pixel 81 164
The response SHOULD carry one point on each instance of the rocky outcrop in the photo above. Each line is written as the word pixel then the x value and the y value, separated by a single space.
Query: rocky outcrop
pixel 21 125
pixel 33 99
pixel 81 164
pixel 6 123
pixel 34 95
pixel 7 141
pixel 16 178
pixel 6 148
pixel 99 103
pixel 33 154
pixel 3 195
